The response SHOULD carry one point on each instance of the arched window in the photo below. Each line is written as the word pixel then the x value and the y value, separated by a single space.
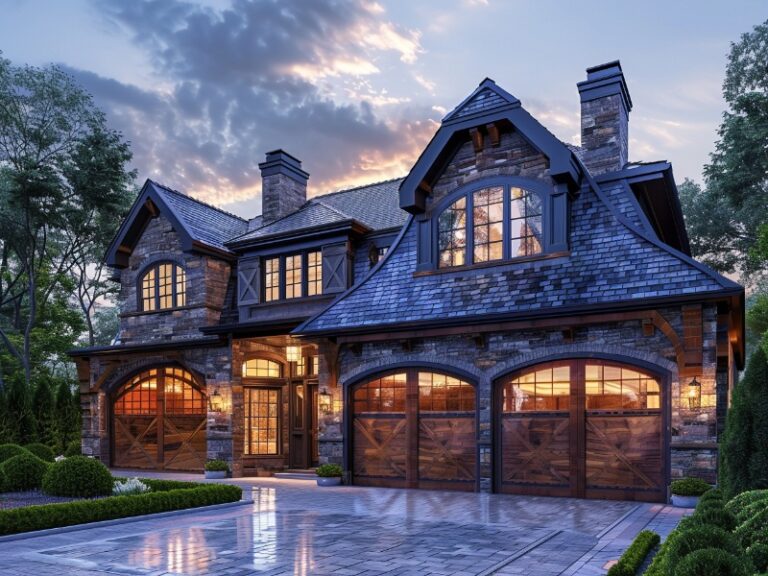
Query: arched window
pixel 262 368
pixel 163 286
pixel 489 224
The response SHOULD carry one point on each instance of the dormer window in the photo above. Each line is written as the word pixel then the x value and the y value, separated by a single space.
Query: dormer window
pixel 163 286
pixel 293 276
pixel 489 224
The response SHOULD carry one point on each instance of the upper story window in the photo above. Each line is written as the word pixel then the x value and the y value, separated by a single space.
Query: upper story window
pixel 293 276
pixel 489 224
pixel 163 286
pixel 262 368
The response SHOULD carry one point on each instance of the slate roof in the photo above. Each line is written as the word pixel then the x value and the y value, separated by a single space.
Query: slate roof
pixel 205 223
pixel 611 261
pixel 376 206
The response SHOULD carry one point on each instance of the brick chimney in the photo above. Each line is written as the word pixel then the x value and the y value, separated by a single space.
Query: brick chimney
pixel 605 107
pixel 283 185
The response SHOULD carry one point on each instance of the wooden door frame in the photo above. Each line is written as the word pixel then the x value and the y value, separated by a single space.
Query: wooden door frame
pixel 310 387
pixel 411 369
pixel 578 432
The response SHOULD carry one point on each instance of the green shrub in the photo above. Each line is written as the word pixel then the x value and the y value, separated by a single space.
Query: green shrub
pixel 23 472
pixel 329 471
pixel 30 518
pixel 713 494
pixel 78 476
pixel 635 555
pixel 711 562
pixel 750 530
pixel 73 448
pixel 749 511
pixel 216 466
pixel 698 538
pixel 41 451
pixel 690 487
pixel 736 504
pixel 758 554
pixel 10 450
pixel 713 516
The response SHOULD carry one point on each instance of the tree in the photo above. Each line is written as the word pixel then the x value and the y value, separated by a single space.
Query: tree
pixel 737 176
pixel 64 188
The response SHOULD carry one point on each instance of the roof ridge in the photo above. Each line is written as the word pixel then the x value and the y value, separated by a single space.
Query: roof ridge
pixel 206 204
pixel 358 187
pixel 318 200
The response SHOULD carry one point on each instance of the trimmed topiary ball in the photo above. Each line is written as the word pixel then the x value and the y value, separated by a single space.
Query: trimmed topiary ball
pixel 750 529
pixel 23 472
pixel 758 554
pixel 74 448
pixel 714 516
pixel 78 476
pixel 736 504
pixel 41 451
pixel 714 494
pixel 711 562
pixel 698 538
pixel 10 450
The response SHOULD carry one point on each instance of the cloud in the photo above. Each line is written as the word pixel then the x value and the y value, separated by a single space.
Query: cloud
pixel 236 82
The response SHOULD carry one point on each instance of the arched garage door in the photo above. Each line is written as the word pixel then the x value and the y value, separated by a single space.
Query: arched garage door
pixel 415 429
pixel 583 428
pixel 158 421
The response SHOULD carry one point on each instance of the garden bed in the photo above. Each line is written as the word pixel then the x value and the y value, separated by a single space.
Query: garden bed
pixel 10 500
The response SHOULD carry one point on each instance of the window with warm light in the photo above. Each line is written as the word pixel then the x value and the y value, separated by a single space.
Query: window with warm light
pixel 262 368
pixel 272 279
pixel 262 408
pixel 163 286
pixel 293 276
pixel 314 273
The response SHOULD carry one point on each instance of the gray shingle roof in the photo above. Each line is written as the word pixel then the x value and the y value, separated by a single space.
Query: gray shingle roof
pixel 610 262
pixel 376 206
pixel 205 223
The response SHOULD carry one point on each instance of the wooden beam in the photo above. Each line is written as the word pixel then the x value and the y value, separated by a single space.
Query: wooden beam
pixel 151 208
pixel 477 139
pixel 424 185
pixel 493 134
pixel 648 327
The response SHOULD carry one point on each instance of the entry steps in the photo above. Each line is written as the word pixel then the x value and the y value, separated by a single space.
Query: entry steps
pixel 295 474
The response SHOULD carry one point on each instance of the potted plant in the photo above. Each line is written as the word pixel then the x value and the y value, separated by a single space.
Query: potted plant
pixel 216 469
pixel 686 492
pixel 329 475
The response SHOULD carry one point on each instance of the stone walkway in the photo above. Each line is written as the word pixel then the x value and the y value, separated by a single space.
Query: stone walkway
pixel 294 527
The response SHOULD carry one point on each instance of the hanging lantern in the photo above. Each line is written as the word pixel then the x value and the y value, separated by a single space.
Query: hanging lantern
pixel 215 401
pixel 694 394
pixel 293 353
pixel 325 401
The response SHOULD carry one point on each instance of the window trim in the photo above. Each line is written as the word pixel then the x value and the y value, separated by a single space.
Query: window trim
pixel 304 284
pixel 155 265
pixel 467 191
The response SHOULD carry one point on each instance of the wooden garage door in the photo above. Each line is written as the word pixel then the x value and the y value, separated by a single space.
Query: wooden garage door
pixel 582 428
pixel 158 422
pixel 414 428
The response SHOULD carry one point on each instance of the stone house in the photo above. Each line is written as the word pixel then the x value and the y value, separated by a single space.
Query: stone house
pixel 516 314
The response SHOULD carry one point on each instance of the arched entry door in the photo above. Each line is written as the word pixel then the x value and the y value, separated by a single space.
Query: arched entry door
pixel 158 421
pixel 582 428
pixel 414 428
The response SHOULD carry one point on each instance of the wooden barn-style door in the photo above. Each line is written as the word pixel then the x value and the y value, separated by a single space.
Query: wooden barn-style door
pixel 158 422
pixel 414 429
pixel 581 428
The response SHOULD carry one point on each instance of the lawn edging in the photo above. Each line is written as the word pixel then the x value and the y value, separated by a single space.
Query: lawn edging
pixel 166 497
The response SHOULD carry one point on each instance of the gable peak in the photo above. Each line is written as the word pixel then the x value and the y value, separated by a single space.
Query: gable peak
pixel 487 96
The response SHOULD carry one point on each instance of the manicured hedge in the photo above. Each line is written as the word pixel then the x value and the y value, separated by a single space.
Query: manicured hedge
pixel 736 504
pixel 78 476
pixel 82 511
pixel 635 555
pixel 10 450
pixel 689 487
pixel 23 472
pixel 712 562
pixel 41 451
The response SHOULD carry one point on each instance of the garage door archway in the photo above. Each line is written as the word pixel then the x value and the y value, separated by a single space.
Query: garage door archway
pixel 582 428
pixel 414 428
pixel 159 421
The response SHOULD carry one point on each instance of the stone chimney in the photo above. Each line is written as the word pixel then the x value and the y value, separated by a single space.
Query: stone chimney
pixel 283 185
pixel 605 107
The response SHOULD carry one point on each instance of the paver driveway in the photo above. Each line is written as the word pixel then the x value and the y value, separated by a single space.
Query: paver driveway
pixel 293 527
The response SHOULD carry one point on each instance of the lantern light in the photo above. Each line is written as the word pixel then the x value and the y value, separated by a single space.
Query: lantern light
pixel 215 401
pixel 694 394
pixel 325 401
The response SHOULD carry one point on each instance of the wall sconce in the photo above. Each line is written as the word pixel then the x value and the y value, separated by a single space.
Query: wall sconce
pixel 694 394
pixel 293 353
pixel 215 401
pixel 325 401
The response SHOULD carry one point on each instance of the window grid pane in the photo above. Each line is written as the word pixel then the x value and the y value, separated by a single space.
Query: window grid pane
pixel 452 234
pixel 314 273
pixel 148 290
pixel 272 279
pixel 488 224
pixel 181 286
pixel 544 390
pixel 614 388
pixel 525 222
pixel 261 368
pixel 165 286
pixel 385 394
pixel 293 276
pixel 441 393
pixel 262 407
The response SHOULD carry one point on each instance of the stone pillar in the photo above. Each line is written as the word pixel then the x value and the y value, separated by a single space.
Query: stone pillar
pixel 330 434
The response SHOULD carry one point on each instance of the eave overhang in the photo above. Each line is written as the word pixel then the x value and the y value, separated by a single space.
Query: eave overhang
pixel 119 349
pixel 350 227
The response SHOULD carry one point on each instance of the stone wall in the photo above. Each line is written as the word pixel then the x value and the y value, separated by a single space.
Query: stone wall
pixel 693 431
pixel 604 134
pixel 206 285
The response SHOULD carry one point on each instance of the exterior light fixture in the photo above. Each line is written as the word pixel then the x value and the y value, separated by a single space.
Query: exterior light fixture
pixel 694 394
pixel 215 401
pixel 325 401
pixel 293 353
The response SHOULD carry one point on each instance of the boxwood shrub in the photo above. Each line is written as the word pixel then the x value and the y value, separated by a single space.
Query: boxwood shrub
pixel 24 471
pixel 689 487
pixel 11 450
pixel 41 451
pixel 697 538
pixel 719 517
pixel 736 504
pixel 758 554
pixel 713 494
pixel 635 555
pixel 752 529
pixel 748 511
pixel 712 562
pixel 74 448
pixel 78 476
pixel 30 518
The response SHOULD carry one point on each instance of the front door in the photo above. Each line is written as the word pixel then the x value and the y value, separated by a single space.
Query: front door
pixel 303 449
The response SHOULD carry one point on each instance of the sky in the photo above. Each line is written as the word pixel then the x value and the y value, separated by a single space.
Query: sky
pixel 356 88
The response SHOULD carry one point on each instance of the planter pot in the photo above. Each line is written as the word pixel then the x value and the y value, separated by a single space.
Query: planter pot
pixel 684 501
pixel 329 481
pixel 215 474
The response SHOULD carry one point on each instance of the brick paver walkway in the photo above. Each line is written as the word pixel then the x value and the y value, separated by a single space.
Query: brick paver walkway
pixel 294 527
